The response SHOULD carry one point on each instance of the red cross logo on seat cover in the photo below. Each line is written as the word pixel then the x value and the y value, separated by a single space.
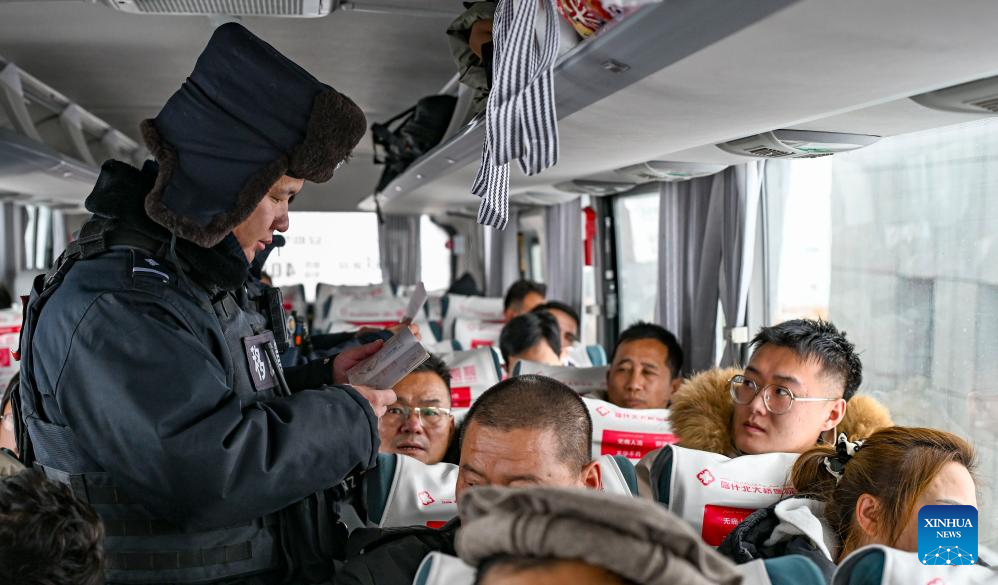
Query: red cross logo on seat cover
pixel 706 477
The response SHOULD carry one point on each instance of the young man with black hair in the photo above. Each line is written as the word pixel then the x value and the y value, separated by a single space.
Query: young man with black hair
pixel 524 431
pixel 795 388
pixel 420 423
pixel 645 367
pixel 568 324
pixel 521 297
pixel 532 336
pixel 46 535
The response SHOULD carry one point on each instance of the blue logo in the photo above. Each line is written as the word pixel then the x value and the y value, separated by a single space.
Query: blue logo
pixel 947 535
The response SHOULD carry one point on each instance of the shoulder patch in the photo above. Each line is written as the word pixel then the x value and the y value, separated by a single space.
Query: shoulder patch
pixel 145 265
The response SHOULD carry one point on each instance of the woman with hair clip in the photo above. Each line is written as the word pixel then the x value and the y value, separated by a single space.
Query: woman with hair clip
pixel 859 493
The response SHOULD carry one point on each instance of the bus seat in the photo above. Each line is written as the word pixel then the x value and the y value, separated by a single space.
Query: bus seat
pixel 788 570
pixel 880 565
pixel 472 333
pixel 403 491
pixel 714 493
pixel 618 475
pixel 442 569
pixel 628 432
pixel 472 308
pixel 472 373
pixel 294 299
pixel 10 332
pixel 582 380
pixel 445 349
pixel 436 329
pixel 338 303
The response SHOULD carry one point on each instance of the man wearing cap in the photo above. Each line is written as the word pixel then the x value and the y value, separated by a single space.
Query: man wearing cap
pixel 146 385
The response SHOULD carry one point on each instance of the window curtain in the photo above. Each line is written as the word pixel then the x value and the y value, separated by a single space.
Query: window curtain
pixel 399 238
pixel 502 256
pixel 707 232
pixel 563 252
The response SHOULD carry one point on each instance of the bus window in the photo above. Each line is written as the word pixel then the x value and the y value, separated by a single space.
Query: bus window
pixel 896 245
pixel 435 255
pixel 330 247
pixel 637 256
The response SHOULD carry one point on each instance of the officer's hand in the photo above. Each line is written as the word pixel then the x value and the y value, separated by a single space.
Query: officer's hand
pixel 379 399
pixel 412 327
pixel 351 357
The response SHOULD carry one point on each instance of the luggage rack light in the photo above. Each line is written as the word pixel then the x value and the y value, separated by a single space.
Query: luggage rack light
pixel 975 97
pixel 661 170
pixel 594 188
pixel 797 144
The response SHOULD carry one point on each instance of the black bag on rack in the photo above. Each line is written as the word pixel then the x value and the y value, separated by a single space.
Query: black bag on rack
pixel 421 128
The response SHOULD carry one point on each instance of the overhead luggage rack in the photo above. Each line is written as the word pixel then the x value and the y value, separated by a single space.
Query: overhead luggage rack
pixel 621 54
pixel 53 146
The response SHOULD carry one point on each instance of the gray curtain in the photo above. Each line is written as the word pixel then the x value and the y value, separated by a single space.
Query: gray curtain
pixel 706 246
pixel 503 256
pixel 400 249
pixel 470 250
pixel 563 252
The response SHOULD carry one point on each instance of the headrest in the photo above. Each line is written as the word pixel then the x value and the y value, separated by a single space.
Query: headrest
pixel 10 331
pixel 628 432
pixel 403 491
pixel 472 308
pixel 440 569
pixel 618 475
pixel 787 570
pixel 715 493
pixel 327 294
pixel 880 565
pixel 473 334
pixel 443 349
pixel 294 297
pixel 585 356
pixel 582 380
pixel 472 372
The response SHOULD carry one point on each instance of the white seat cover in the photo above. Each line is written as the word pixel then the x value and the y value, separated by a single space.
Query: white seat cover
pixel 10 332
pixel 421 494
pixel 472 373
pixel 582 380
pixel 714 493
pixel 614 481
pixel 627 431
pixel 471 308
pixel 440 569
pixel 332 300
pixel 578 356
pixel 472 334
pixel 904 568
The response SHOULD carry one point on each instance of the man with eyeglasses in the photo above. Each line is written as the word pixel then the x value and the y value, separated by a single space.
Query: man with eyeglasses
pixel 420 423
pixel 795 388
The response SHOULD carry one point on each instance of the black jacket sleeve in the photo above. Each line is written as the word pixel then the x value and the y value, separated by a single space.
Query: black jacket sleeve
pixel 397 556
pixel 314 374
pixel 144 388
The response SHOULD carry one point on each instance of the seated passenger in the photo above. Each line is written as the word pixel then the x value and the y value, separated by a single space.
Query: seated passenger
pixel 521 297
pixel 794 389
pixel 9 464
pixel 46 535
pixel 525 431
pixel 644 367
pixel 579 537
pixel 568 324
pixel 420 424
pixel 533 337
pixel 856 494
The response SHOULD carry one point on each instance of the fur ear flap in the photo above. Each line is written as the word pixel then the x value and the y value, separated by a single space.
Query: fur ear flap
pixel 335 126
pixel 701 412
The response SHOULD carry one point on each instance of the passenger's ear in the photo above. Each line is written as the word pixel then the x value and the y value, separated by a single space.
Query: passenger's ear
pixel 677 383
pixel 591 476
pixel 867 516
pixel 835 415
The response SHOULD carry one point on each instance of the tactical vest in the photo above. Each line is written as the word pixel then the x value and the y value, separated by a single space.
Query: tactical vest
pixel 140 546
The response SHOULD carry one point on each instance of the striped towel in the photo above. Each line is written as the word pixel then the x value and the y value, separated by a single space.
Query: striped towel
pixel 520 119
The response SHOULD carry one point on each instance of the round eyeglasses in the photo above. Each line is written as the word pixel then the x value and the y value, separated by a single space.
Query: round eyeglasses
pixel 778 399
pixel 429 416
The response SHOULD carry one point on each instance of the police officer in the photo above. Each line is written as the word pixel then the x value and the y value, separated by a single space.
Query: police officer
pixel 145 384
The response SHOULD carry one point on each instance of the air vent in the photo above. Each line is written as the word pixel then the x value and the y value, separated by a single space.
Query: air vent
pixel 976 97
pixel 286 8
pixel 797 144
pixel 661 170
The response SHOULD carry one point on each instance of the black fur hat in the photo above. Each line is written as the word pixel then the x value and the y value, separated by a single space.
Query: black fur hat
pixel 246 116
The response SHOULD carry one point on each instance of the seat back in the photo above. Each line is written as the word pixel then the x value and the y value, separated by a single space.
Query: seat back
pixel 714 493
pixel 628 432
pixel 880 565
pixel 294 299
pixel 472 333
pixel 587 356
pixel 473 308
pixel 340 304
pixel 582 380
pixel 472 373
pixel 788 570
pixel 10 332
pixel 618 475
pixel 403 491
pixel 441 569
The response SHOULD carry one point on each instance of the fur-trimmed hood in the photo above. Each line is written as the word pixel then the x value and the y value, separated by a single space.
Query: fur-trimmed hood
pixel 246 116
pixel 702 409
